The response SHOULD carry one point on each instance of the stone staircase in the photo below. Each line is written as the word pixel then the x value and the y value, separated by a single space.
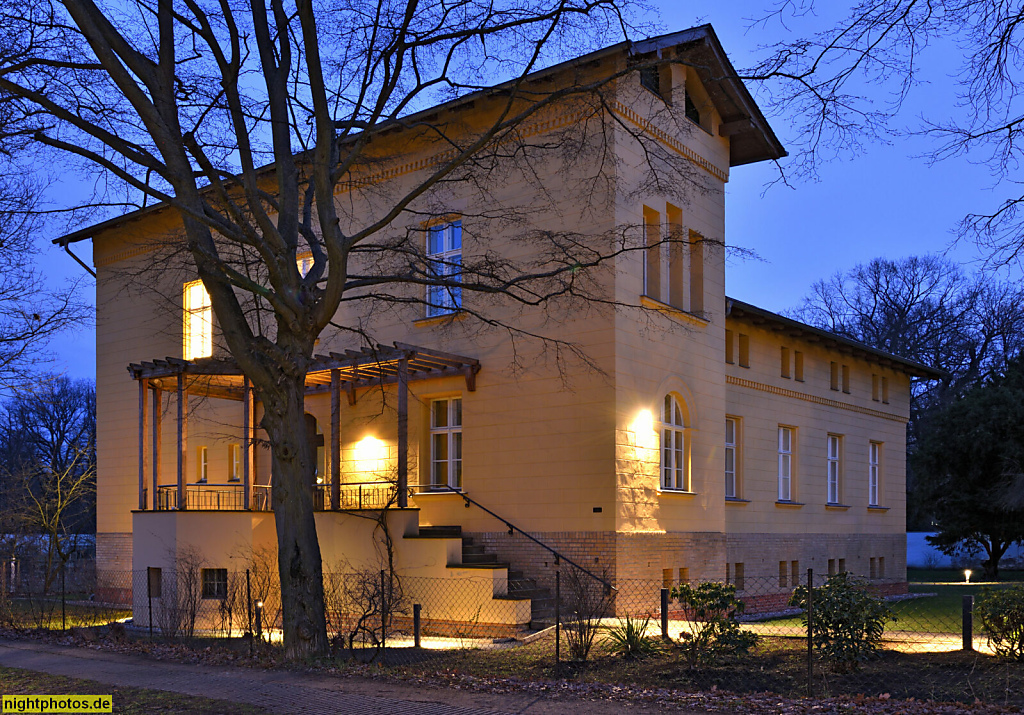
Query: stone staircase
pixel 520 588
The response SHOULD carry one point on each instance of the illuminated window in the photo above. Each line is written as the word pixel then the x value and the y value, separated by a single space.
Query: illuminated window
pixel 198 328
pixel 444 260
pixel 874 465
pixel 731 485
pixel 204 463
pixel 446 443
pixel 305 264
pixel 215 583
pixel 675 467
pixel 785 464
pixel 234 462
pixel 833 468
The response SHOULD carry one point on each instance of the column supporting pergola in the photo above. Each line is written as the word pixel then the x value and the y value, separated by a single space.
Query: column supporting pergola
pixel 403 433
pixel 335 439
pixel 182 439
pixel 157 438
pixel 248 410
pixel 143 390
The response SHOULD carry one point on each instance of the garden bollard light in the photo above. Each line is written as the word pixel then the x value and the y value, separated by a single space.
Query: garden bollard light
pixel 259 619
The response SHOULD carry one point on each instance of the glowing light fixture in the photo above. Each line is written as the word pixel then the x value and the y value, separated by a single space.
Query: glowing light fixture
pixel 967 575
pixel 370 454
pixel 645 436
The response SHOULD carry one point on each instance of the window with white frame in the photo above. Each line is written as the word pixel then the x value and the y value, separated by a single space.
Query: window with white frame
pixel 675 472
pixel 834 444
pixel 444 258
pixel 198 323
pixel 446 443
pixel 234 462
pixel 204 463
pixel 874 461
pixel 785 464
pixel 731 487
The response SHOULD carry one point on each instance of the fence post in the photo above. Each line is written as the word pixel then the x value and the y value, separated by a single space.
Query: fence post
pixel 810 632
pixel 664 613
pixel 416 624
pixel 383 614
pixel 149 598
pixel 63 609
pixel 558 619
pixel 968 623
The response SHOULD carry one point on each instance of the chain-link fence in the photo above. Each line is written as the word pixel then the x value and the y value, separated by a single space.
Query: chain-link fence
pixel 869 636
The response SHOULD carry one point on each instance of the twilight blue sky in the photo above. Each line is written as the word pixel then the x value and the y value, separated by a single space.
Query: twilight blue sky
pixel 883 202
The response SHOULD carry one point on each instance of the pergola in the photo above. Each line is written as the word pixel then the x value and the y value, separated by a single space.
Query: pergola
pixel 333 373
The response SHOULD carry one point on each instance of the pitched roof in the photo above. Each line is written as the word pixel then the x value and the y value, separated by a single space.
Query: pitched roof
pixel 751 139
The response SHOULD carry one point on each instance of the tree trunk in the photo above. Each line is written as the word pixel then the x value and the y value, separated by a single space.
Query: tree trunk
pixel 299 562
pixel 995 550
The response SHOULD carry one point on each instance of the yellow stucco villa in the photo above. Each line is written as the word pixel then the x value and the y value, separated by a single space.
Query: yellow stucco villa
pixel 706 438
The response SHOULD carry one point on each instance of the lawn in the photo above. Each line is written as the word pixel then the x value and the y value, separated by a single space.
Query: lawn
pixel 127 701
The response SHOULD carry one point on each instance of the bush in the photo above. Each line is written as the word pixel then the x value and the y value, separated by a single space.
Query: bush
pixel 848 620
pixel 713 630
pixel 630 640
pixel 1001 612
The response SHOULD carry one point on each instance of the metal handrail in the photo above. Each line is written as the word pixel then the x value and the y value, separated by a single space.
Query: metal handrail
pixel 512 527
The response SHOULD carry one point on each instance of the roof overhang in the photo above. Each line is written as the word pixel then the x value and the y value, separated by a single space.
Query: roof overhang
pixel 353 369
pixel 760 317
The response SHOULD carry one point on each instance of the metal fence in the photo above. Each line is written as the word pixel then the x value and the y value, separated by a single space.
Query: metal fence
pixel 745 636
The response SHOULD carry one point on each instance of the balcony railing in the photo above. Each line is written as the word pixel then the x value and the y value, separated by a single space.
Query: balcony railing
pixel 231 497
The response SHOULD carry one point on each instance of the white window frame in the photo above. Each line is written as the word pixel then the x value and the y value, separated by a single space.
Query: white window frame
pixel 874 469
pixel 731 453
pixel 197 323
pixel 234 462
pixel 833 446
pixel 444 262
pixel 452 434
pixel 674 446
pixel 785 454
pixel 204 464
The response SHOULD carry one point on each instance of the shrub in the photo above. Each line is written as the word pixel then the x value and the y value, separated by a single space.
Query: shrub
pixel 713 630
pixel 630 640
pixel 848 620
pixel 586 602
pixel 1001 612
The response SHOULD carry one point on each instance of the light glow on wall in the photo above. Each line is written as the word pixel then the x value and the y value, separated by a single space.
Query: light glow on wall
pixel 370 455
pixel 645 436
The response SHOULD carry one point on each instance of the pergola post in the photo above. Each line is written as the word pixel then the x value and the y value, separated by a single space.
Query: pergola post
pixel 143 413
pixel 182 439
pixel 403 433
pixel 335 439
pixel 157 432
pixel 247 430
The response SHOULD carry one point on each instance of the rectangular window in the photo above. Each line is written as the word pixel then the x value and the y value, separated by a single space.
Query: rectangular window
pixel 785 464
pixel 744 350
pixel 444 261
pixel 785 362
pixel 446 443
pixel 874 466
pixel 885 390
pixel 731 487
pixel 198 327
pixel 676 260
pixel 305 265
pixel 650 78
pixel 783 574
pixel 684 575
pixel 739 580
pixel 798 366
pixel 234 462
pixel 696 272
pixel 834 442
pixel 155 582
pixel 842 565
pixel 881 567
pixel 730 348
pixel 872 568
pixel 831 567
pixel 846 379
pixel 215 583
pixel 652 253
pixel 203 463
pixel 833 380
pixel 794 573
pixel 666 578
pixel 875 388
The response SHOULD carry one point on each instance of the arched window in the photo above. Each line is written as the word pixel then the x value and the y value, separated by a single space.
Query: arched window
pixel 675 458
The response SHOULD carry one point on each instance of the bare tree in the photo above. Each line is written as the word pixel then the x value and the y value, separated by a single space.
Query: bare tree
pixel 846 85
pixel 48 466
pixel 268 128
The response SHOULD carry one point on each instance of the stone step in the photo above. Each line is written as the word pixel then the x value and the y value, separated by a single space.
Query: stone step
pixel 480 558
pixel 440 532
pixel 471 548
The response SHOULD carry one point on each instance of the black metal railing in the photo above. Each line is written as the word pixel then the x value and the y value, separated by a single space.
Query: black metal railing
pixel 231 497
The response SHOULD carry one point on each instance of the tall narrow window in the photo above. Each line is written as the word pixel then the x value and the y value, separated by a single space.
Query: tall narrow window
pixel 794 573
pixel 730 347
pixel 738 577
pixel 744 350
pixel 783 574
pixel 198 328
pixel 798 366
pixel 652 253
pixel 875 388
pixel 204 463
pixel 676 259
pixel 874 455
pixel 234 462
pixel 446 443
pixel 833 468
pixel 444 254
pixel 846 379
pixel 730 458
pixel 881 567
pixel 674 458
pixel 785 362
pixel 885 390
pixel 785 464
pixel 833 377
pixel 696 272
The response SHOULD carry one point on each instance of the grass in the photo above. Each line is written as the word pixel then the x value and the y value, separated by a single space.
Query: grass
pixel 127 701
pixel 957 575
